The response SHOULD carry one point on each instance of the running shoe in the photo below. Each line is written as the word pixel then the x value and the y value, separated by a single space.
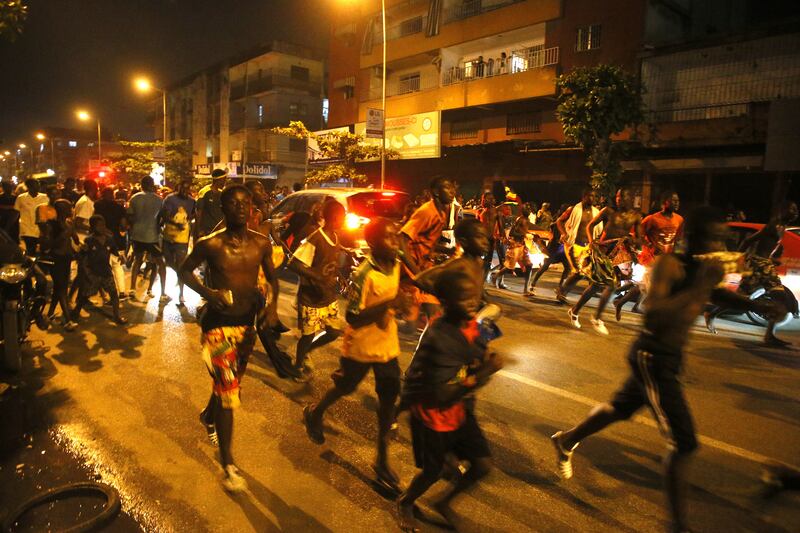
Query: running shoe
pixel 573 318
pixel 70 326
pixel 233 480
pixel 149 294
pixel 211 429
pixel 599 326
pixel 181 301
pixel 563 457
pixel 313 429
pixel 386 478
pixel 164 298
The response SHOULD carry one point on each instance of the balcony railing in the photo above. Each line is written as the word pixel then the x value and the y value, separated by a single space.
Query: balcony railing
pixel 472 8
pixel 519 61
pixel 700 113
pixel 274 78
pixel 402 29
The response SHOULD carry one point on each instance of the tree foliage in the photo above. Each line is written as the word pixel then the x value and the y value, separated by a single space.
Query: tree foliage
pixel 12 17
pixel 343 149
pixel 136 160
pixel 594 104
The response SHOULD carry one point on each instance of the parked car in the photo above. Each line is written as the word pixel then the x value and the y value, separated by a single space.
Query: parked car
pixel 788 269
pixel 360 204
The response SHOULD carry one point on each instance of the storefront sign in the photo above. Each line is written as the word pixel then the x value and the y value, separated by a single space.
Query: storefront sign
pixel 412 136
pixel 261 170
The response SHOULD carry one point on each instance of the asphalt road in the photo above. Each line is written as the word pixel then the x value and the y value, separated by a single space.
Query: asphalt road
pixel 128 401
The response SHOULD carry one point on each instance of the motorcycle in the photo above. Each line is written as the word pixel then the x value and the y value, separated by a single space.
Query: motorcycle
pixel 21 304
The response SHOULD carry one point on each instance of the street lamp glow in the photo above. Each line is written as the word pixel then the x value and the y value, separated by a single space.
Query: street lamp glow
pixel 143 85
pixel 40 137
pixel 83 115
pixel 6 153
pixel 23 145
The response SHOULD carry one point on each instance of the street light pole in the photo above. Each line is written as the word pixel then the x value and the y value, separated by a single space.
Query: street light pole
pixel 383 97
pixel 99 145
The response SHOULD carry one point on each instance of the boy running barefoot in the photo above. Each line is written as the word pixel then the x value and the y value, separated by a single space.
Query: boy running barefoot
pixel 450 363
pixel 370 342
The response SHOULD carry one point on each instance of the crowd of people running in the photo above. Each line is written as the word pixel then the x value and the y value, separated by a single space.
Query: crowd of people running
pixel 412 278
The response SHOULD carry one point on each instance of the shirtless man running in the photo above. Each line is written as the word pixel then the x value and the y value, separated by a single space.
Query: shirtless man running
pixel 233 256
pixel 572 227
pixel 613 250
pixel 680 287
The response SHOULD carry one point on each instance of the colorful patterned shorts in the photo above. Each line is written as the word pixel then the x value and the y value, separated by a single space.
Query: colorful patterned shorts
pixel 311 320
pixel 226 351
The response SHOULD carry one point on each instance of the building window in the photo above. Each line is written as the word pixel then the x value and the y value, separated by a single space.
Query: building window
pixel 411 26
pixel 73 144
pixel 300 73
pixel 464 129
pixel 408 83
pixel 293 109
pixel 297 145
pixel 588 38
pixel 325 112
pixel 348 92
pixel 260 114
pixel 517 123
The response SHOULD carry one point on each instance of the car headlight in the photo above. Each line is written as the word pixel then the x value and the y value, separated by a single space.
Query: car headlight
pixel 12 273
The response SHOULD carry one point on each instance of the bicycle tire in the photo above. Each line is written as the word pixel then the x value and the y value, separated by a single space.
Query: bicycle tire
pixel 110 510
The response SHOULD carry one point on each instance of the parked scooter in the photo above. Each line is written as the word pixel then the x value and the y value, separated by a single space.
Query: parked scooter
pixel 21 301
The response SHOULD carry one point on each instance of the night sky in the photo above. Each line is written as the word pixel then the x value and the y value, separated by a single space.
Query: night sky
pixel 75 53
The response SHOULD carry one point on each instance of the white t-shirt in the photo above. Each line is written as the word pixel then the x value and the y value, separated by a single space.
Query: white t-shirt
pixel 84 208
pixel 26 205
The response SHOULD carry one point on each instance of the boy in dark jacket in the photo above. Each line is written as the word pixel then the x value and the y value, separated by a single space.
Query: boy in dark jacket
pixel 450 363
pixel 96 253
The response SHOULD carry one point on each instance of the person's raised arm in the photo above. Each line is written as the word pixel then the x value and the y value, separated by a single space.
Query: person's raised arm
pixel 560 224
pixel 747 242
pixel 601 217
pixel 272 278
pixel 199 254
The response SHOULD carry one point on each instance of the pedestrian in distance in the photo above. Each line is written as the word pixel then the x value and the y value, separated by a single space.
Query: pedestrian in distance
pixel 144 211
pixel 450 363
pixel 209 208
pixel 177 214
pixel 371 342
pixel 491 220
pixel 554 252
pixel 59 242
pixel 95 265
pixel 572 229
pixel 84 207
pixel 660 232
pixel 233 257
pixel 26 204
pixel 473 242
pixel 680 287
pixel 116 222
pixel 606 260
pixel 420 244
pixel 516 251
pixel 316 262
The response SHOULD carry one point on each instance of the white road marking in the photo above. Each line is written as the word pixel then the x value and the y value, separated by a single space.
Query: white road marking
pixel 589 402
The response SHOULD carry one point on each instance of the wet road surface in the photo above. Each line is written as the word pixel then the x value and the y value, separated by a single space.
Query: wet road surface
pixel 127 401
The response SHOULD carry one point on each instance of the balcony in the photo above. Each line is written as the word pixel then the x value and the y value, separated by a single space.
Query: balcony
pixel 520 61
pixel 473 8
pixel 274 79
pixel 402 29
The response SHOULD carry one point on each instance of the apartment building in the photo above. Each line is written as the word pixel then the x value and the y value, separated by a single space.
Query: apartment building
pixel 486 70
pixel 227 110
